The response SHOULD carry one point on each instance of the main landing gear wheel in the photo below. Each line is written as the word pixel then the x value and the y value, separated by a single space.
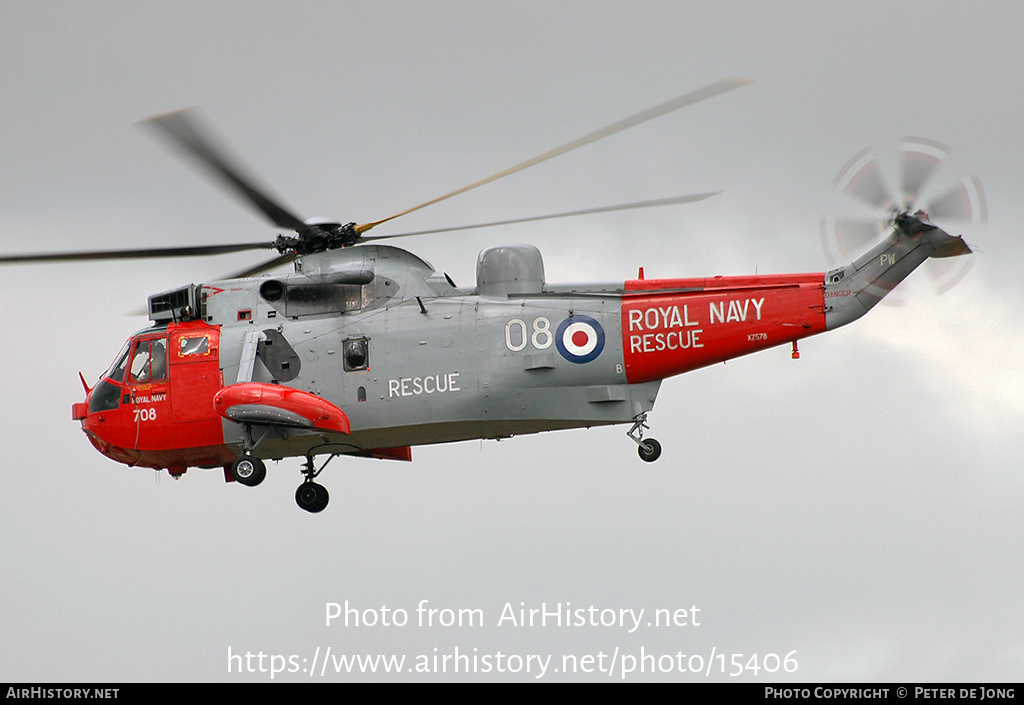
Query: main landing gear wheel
pixel 249 471
pixel 311 496
pixel 649 450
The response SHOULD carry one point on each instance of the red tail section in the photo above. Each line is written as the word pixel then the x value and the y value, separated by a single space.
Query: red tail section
pixel 671 326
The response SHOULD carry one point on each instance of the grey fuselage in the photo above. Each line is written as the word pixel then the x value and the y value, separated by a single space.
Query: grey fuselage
pixel 438 363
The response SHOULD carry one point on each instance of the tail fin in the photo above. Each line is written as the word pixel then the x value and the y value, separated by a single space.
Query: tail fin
pixel 853 290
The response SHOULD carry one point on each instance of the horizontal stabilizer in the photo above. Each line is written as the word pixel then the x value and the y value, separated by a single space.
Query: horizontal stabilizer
pixel 953 247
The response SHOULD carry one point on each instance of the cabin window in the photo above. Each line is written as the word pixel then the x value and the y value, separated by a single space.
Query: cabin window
pixel 357 354
pixel 199 345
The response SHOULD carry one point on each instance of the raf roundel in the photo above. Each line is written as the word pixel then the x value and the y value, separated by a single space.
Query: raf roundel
pixel 579 339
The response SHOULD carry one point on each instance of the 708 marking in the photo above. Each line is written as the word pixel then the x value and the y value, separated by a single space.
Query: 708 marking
pixel 145 414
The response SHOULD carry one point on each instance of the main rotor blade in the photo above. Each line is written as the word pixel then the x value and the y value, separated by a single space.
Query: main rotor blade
pixel 135 254
pixel 667 107
pixel 182 128
pixel 604 209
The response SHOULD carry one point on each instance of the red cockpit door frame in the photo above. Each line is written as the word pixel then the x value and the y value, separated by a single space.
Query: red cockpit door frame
pixel 194 372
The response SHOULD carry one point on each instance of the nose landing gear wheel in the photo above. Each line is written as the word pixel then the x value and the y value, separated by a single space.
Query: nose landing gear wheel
pixel 248 470
pixel 649 450
pixel 312 497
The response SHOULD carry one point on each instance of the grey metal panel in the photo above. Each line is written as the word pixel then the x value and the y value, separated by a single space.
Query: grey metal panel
pixel 606 393
pixel 539 361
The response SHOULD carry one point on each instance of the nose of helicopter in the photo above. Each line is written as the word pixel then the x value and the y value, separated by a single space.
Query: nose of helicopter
pixel 100 426
pixel 80 410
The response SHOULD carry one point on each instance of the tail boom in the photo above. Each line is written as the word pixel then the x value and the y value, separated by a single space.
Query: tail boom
pixel 855 289
pixel 672 326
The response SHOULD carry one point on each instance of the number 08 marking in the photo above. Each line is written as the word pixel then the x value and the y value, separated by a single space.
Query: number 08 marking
pixel 541 336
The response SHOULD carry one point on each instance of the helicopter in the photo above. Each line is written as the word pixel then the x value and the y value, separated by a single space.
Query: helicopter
pixel 367 350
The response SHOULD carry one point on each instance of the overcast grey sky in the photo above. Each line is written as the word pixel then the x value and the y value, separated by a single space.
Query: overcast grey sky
pixel 861 506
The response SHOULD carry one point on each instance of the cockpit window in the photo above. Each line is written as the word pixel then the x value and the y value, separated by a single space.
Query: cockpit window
pixel 105 396
pixel 116 371
pixel 149 361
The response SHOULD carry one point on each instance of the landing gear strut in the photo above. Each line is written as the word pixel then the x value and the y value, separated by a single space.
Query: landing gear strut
pixel 649 450
pixel 312 496
pixel 247 469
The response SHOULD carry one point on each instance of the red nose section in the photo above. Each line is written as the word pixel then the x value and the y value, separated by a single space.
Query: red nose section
pixel 275 404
